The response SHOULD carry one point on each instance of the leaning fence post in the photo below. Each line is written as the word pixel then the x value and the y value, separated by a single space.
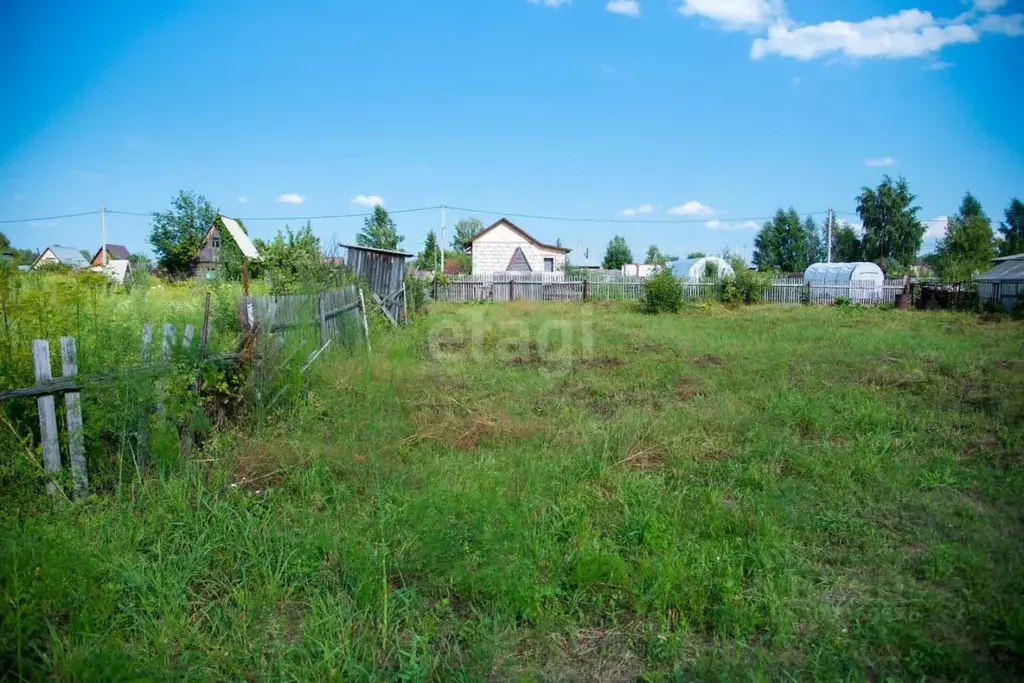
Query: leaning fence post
pixel 165 355
pixel 47 412
pixel 73 408
pixel 141 432
pixel 366 327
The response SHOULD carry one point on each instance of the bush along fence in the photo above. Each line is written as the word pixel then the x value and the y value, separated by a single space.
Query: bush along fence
pixel 557 287
pixel 157 398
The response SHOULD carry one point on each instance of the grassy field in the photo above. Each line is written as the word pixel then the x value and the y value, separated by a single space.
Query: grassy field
pixel 567 492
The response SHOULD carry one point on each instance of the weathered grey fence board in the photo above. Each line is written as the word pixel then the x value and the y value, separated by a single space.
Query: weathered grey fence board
pixel 47 411
pixel 560 287
pixel 73 414
pixel 313 318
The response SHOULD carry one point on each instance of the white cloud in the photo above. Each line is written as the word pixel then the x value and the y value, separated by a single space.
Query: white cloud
pixel 243 200
pixel 880 162
pixel 691 208
pixel 550 3
pixel 715 224
pixel 1006 24
pixel 291 198
pixel 936 228
pixel 735 14
pixel 911 33
pixel 368 200
pixel 628 7
pixel 643 209
pixel 988 5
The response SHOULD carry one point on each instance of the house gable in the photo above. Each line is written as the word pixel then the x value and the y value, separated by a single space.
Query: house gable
pixel 519 262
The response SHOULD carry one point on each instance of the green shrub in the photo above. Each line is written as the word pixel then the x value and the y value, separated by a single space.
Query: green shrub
pixel 843 302
pixel 663 292
pixel 416 295
pixel 744 287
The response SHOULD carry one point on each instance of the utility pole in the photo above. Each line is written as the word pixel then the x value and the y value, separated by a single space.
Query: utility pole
pixel 103 235
pixel 830 234
pixel 441 249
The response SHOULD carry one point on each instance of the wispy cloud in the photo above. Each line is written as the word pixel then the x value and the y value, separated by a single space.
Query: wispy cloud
pixel 880 162
pixel 85 174
pixel 735 15
pixel 936 228
pixel 550 3
pixel 641 210
pixel 691 208
pixel 988 5
pixel 909 33
pixel 715 224
pixel 243 200
pixel 795 81
pixel 368 200
pixel 291 198
pixel 905 34
pixel 630 8
pixel 937 66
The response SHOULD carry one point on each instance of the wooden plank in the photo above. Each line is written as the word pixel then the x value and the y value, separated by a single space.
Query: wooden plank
pixel 190 330
pixel 366 327
pixel 47 411
pixel 73 414
pixel 387 313
pixel 58 386
pixel 147 338
pixel 166 345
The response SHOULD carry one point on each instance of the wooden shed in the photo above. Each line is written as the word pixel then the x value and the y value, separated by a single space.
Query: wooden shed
pixel 384 270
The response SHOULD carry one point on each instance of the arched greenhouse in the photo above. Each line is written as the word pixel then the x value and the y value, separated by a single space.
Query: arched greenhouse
pixel 860 281
pixel 707 267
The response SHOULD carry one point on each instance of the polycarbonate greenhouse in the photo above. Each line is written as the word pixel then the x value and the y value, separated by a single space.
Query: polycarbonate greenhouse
pixel 702 268
pixel 1003 284
pixel 863 281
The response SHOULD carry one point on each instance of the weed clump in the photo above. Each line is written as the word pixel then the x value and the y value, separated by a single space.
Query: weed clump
pixel 663 293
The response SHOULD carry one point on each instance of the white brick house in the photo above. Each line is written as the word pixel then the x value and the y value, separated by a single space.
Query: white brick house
pixel 505 247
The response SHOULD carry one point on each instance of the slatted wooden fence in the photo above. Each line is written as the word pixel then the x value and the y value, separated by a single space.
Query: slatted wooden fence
pixel 559 287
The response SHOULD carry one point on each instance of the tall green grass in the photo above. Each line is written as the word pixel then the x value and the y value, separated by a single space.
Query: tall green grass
pixel 762 493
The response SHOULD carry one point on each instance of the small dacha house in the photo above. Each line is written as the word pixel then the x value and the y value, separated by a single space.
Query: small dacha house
pixel 115 252
pixel 207 258
pixel 57 255
pixel 506 248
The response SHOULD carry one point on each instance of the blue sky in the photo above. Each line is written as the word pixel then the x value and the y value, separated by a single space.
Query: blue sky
pixel 707 111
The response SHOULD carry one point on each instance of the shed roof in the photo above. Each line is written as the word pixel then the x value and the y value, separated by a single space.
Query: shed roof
pixel 1005 268
pixel 379 251
pixel 115 252
pixel 68 256
pixel 515 228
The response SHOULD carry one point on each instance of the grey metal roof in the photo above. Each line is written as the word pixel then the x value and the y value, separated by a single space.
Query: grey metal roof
pixel 1007 268
pixel 1014 257
pixel 379 251
pixel 69 256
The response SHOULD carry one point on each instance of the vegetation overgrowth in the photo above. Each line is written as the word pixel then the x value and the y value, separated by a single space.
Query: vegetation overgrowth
pixel 773 492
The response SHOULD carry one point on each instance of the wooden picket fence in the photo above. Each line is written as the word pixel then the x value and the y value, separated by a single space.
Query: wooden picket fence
pixel 333 316
pixel 559 287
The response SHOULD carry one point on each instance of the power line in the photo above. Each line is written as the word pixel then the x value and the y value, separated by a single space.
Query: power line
pixel 649 221
pixel 48 218
pixel 362 214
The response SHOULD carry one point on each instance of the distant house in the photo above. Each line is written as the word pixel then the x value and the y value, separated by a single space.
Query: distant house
pixel 57 255
pixel 119 271
pixel 1003 283
pixel 207 259
pixel 115 252
pixel 505 247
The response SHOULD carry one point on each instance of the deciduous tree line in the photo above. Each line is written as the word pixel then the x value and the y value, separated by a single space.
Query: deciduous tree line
pixel 891 236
